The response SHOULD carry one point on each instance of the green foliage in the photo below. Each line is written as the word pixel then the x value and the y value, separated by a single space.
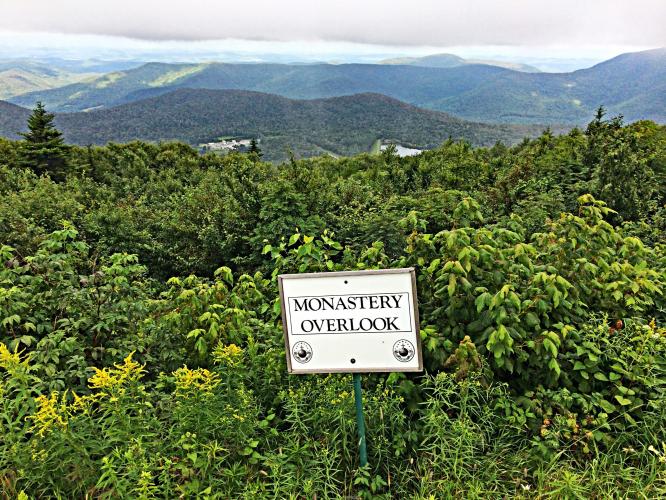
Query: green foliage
pixel 141 350
pixel 623 165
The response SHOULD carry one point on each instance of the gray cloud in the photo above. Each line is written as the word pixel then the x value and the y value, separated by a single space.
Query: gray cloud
pixel 399 23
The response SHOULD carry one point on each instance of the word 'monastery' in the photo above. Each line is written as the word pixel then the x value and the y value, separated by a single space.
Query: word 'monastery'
pixel 350 302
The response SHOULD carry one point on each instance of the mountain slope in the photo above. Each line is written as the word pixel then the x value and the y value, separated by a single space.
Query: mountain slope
pixel 12 120
pixel 341 125
pixel 631 84
pixel 20 77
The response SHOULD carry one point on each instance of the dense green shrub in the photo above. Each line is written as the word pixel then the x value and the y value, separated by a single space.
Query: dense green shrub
pixel 141 351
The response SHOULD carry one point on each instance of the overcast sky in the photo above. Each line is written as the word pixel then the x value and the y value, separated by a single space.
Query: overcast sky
pixel 573 27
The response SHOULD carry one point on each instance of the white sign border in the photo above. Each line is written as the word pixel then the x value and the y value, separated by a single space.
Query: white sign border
pixel 332 274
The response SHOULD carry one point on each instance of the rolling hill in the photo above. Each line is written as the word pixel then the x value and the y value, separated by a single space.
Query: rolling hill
pixel 452 61
pixel 23 76
pixel 339 125
pixel 631 84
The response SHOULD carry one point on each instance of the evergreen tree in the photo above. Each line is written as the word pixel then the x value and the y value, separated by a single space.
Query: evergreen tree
pixel 618 164
pixel 254 148
pixel 43 149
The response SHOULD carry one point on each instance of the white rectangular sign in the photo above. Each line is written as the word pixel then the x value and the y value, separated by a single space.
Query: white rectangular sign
pixel 355 321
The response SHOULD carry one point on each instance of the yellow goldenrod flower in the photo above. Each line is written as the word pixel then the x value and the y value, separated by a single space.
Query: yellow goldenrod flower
pixel 118 376
pixel 50 413
pixel 229 355
pixel 199 380
pixel 130 369
pixel 9 360
pixel 82 403
pixel 103 379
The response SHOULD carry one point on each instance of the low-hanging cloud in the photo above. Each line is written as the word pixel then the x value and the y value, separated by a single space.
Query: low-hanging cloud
pixel 415 22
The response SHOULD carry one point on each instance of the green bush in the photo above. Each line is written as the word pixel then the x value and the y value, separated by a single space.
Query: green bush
pixel 141 350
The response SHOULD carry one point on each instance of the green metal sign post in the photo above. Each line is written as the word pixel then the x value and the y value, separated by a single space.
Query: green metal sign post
pixel 360 422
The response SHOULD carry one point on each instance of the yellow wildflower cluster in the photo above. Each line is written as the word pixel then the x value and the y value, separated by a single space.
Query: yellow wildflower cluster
pixel 10 361
pixel 118 376
pixel 661 454
pixel 341 397
pixel 51 412
pixel 229 410
pixel 229 355
pixel 195 381
pixel 37 454
pixel 657 331
pixel 55 412
pixel 82 404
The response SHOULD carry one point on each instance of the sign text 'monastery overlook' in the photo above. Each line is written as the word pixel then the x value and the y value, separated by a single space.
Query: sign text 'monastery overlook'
pixel 354 313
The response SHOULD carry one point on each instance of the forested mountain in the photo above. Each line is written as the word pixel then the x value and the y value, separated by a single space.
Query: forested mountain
pixel 631 84
pixel 452 60
pixel 416 85
pixel 22 76
pixel 12 119
pixel 341 125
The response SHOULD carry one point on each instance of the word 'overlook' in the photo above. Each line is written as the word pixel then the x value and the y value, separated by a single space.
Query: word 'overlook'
pixel 349 325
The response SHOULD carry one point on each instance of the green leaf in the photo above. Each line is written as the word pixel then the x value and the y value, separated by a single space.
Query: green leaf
pixel 607 406
pixel 550 347
pixel 27 339
pixel 10 320
pixel 481 300
pixel 452 284
pixel 433 265
pixel 532 319
pixel 622 400
pixel 226 274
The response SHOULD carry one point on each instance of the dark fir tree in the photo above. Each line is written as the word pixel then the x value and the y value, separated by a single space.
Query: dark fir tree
pixel 254 148
pixel 43 149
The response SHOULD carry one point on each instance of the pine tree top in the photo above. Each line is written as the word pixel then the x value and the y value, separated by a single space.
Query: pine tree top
pixel 41 127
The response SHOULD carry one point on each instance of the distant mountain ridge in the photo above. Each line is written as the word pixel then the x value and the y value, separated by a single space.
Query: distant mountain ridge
pixel 452 61
pixel 340 125
pixel 631 84
pixel 20 77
